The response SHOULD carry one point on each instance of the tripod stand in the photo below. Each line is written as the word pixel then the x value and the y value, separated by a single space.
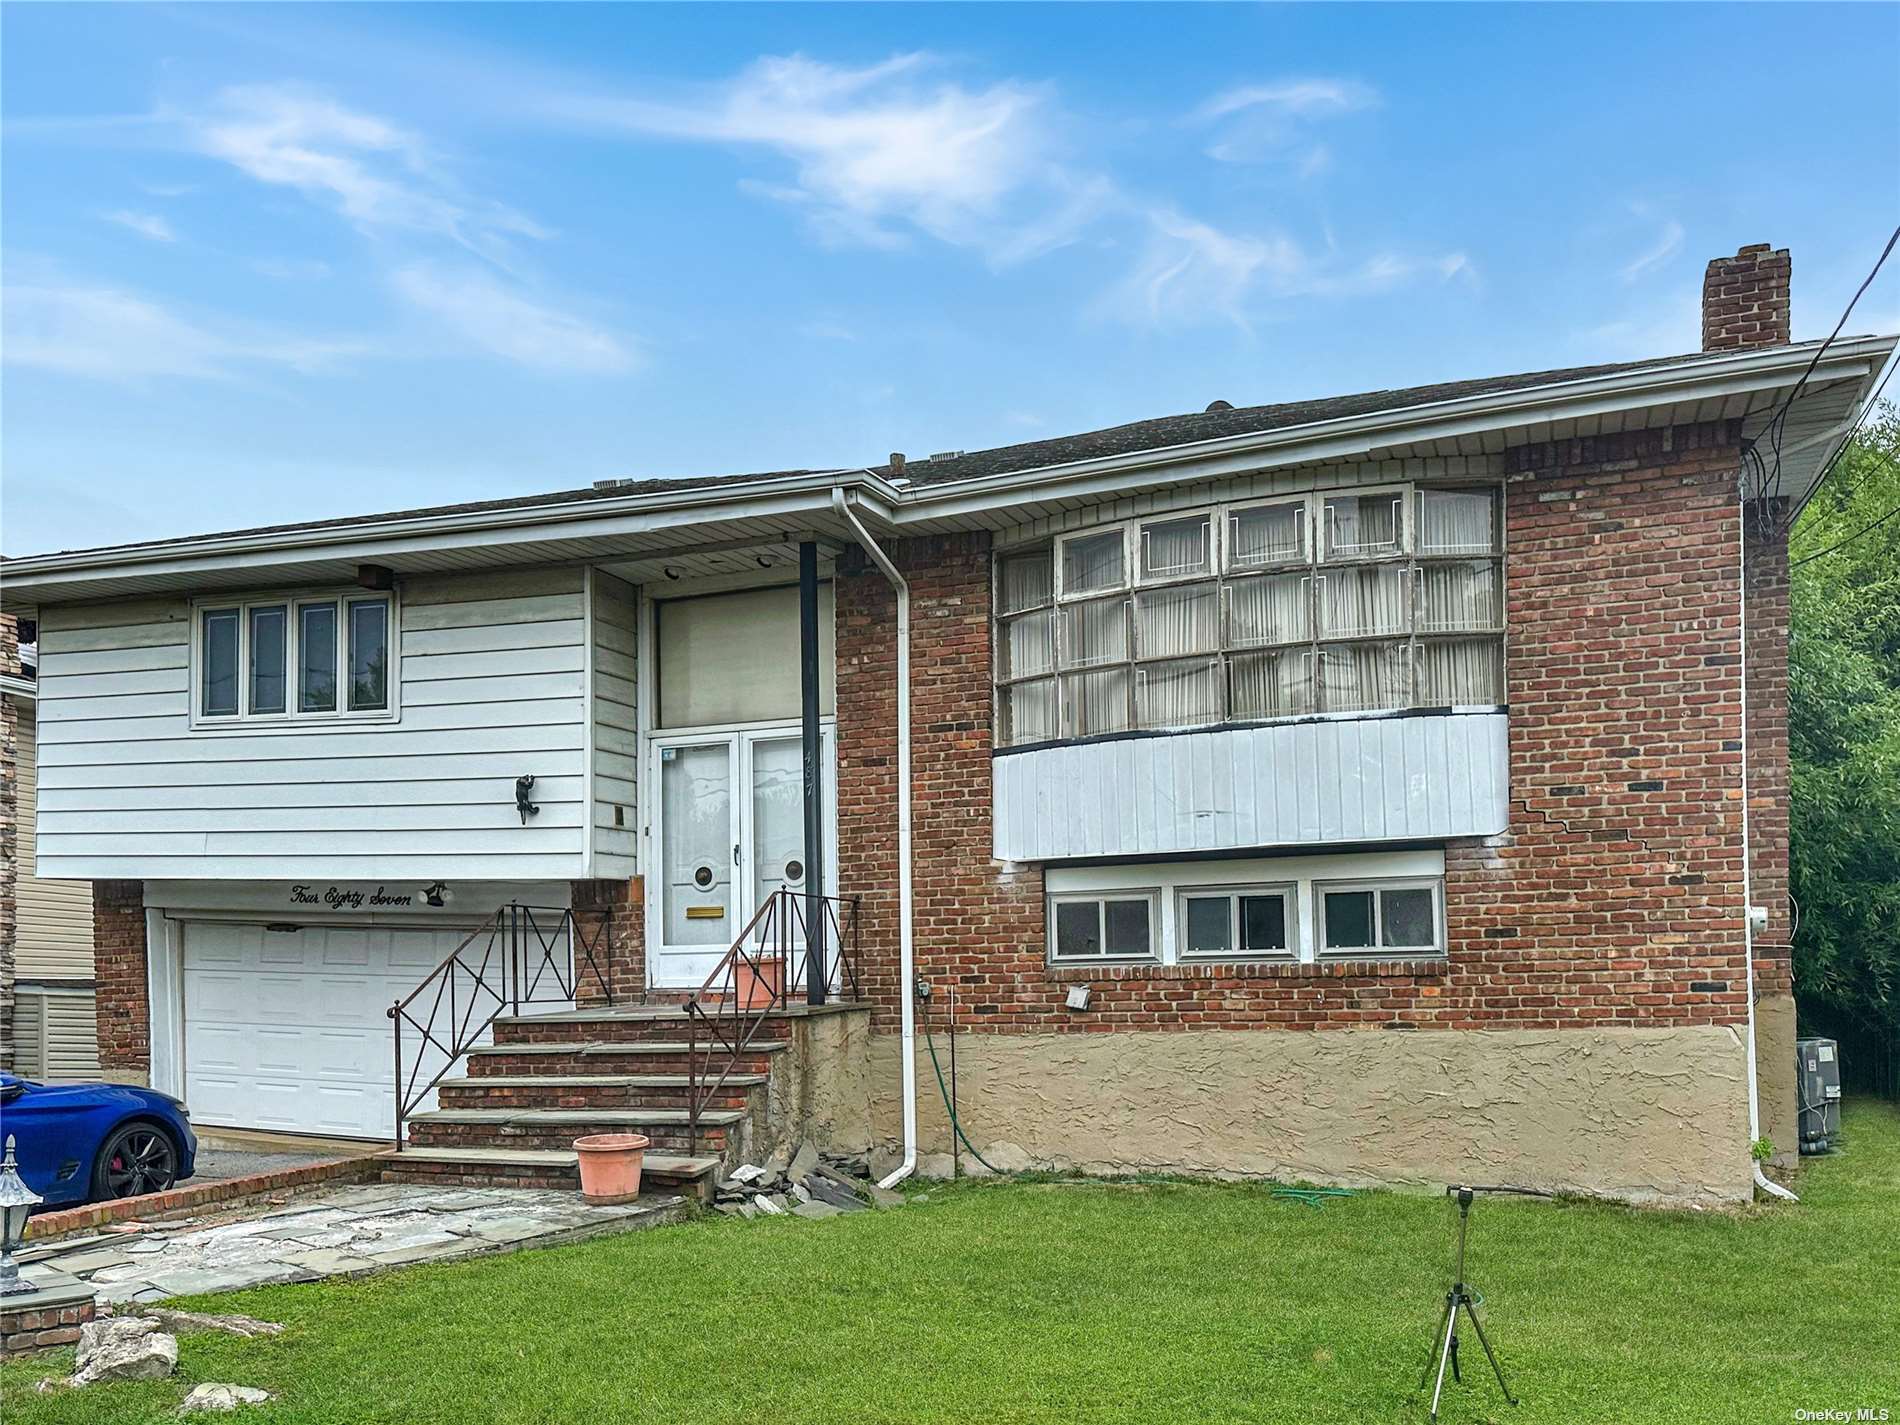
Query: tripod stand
pixel 1445 1342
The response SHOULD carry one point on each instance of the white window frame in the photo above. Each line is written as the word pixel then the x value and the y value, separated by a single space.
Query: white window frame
pixel 1313 567
pixel 1149 894
pixel 293 602
pixel 1287 891
pixel 1378 886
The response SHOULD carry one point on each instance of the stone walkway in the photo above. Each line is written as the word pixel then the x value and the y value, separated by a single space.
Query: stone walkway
pixel 343 1232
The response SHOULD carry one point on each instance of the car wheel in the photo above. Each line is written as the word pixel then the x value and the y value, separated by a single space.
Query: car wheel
pixel 137 1158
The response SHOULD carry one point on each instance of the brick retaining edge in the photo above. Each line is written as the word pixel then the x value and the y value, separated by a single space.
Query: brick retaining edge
pixel 48 1225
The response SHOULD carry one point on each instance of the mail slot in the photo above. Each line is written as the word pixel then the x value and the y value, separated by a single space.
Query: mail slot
pixel 705 912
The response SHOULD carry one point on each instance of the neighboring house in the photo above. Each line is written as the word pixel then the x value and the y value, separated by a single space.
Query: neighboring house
pixel 1364 789
pixel 46 998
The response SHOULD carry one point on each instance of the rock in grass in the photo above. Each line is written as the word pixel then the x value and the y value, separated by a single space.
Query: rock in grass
pixel 216 1395
pixel 747 1173
pixel 804 1163
pixel 836 1194
pixel 124 1348
pixel 816 1209
pixel 179 1322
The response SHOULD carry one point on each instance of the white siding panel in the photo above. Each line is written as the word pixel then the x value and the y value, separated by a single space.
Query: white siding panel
pixel 53 930
pixel 492 689
pixel 614 631
pixel 1332 782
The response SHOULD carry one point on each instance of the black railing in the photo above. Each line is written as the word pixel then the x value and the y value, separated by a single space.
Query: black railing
pixel 523 955
pixel 764 972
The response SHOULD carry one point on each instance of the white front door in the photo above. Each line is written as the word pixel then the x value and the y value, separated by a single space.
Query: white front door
pixel 730 831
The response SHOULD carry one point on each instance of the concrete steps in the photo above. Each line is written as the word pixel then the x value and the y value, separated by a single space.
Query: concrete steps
pixel 539 1128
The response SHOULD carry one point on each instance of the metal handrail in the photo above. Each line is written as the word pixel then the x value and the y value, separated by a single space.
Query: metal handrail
pixel 758 978
pixel 519 962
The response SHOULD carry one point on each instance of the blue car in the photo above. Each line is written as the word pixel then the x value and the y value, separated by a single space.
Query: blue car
pixel 89 1142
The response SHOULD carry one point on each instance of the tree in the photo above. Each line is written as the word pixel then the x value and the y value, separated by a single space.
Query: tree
pixel 1844 739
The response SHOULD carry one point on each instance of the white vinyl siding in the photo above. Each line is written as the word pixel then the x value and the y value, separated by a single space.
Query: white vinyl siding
pixel 55 1037
pixel 1412 777
pixel 616 641
pixel 54 928
pixel 492 672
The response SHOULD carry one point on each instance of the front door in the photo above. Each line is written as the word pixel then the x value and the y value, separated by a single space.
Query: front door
pixel 730 831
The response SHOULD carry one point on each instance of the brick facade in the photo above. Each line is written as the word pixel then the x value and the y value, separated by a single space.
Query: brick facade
pixel 1768 778
pixel 124 1007
pixel 621 905
pixel 1615 897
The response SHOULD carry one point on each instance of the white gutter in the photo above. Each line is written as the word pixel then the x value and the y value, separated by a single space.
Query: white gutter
pixel 1774 1189
pixel 906 951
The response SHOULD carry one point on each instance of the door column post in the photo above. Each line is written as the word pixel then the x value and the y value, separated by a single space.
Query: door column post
pixel 817 966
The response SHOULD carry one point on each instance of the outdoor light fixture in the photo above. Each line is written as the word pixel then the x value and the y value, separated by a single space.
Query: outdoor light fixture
pixel 376 576
pixel 1079 996
pixel 437 894
pixel 17 1202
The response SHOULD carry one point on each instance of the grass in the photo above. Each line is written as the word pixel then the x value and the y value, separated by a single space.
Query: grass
pixel 1042 1301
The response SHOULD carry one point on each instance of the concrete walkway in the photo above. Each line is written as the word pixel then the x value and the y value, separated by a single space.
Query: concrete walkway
pixel 346 1231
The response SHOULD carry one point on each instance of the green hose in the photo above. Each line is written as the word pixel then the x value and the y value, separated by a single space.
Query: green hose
pixel 930 1042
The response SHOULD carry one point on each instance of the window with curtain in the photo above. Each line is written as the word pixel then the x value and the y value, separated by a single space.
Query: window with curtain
pixel 1334 602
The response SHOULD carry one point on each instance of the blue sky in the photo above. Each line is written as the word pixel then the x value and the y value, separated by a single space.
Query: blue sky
pixel 278 263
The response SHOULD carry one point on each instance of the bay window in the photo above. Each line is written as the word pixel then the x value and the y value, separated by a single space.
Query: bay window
pixel 1334 602
pixel 276 659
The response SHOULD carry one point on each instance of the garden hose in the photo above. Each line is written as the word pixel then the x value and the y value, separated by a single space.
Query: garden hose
pixel 930 1041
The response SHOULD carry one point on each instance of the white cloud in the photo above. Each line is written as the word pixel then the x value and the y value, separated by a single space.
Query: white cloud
pixel 107 333
pixel 1273 122
pixel 1657 253
pixel 1192 272
pixel 491 317
pixel 372 172
pixel 150 225
pixel 881 152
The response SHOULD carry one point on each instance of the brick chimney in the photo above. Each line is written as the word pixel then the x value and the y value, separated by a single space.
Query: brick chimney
pixel 1745 299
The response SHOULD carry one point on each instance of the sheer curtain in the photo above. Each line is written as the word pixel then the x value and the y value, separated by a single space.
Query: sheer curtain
pixel 1355 602
pixel 1455 671
pixel 1029 712
pixel 1026 582
pixel 1175 547
pixel 1459 596
pixel 1271 684
pixel 1095 702
pixel 1362 525
pixel 1095 632
pixel 1183 619
pixel 1364 677
pixel 1182 693
pixel 1268 534
pixel 1092 562
pixel 1457 522
pixel 1270 609
pixel 1029 644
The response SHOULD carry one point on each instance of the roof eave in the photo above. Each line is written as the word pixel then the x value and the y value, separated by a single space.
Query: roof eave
pixel 1719 376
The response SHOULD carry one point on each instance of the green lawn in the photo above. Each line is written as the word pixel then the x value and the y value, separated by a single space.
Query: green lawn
pixel 1130 1301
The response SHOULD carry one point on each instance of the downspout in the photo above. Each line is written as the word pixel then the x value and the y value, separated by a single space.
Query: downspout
pixel 905 948
pixel 1762 1181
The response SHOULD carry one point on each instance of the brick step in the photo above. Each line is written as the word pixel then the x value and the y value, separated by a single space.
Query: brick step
pixel 667 1056
pixel 640 1024
pixel 661 1174
pixel 558 1128
pixel 588 1091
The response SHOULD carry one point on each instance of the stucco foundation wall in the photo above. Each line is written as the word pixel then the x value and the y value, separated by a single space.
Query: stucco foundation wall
pixel 1656 1116
pixel 824 1085
pixel 1775 1077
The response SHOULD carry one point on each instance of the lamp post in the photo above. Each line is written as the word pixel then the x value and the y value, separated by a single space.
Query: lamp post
pixel 17 1202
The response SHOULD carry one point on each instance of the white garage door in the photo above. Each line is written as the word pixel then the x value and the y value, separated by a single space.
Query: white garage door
pixel 288 1030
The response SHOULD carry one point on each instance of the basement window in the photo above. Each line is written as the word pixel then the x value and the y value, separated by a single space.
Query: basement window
pixel 1091 929
pixel 1237 923
pixel 306 658
pixel 1360 918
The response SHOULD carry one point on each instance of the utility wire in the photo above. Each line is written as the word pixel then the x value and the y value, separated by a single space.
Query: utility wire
pixel 1873 404
pixel 1843 543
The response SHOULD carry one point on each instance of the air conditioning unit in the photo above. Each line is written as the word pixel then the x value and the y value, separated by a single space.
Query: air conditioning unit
pixel 1818 1089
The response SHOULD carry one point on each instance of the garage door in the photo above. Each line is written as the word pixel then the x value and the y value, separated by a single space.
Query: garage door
pixel 287 1029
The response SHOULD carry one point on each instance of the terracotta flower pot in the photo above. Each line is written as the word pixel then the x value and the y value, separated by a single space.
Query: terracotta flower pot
pixel 757 986
pixel 610 1165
